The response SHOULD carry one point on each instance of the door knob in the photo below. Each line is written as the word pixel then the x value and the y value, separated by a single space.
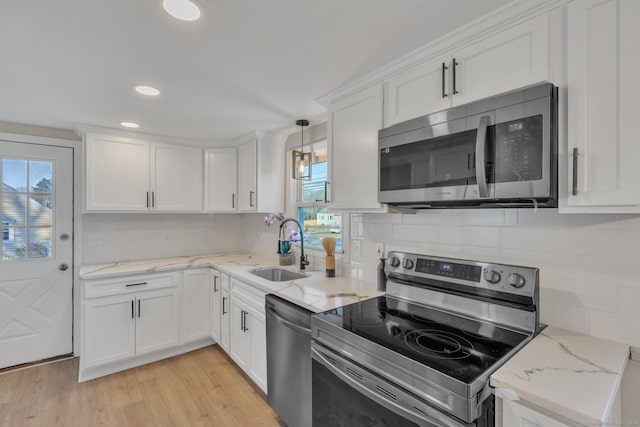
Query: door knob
pixel 63 266
pixel 64 236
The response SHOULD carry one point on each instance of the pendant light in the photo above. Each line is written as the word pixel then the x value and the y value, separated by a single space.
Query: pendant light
pixel 301 161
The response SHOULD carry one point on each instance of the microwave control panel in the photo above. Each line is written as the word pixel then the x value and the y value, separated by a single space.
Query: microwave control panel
pixel 518 150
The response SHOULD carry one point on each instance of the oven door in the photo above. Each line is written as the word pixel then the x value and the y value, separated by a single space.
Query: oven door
pixel 346 394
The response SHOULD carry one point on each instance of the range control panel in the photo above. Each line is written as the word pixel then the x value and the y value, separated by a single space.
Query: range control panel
pixel 497 277
pixel 449 269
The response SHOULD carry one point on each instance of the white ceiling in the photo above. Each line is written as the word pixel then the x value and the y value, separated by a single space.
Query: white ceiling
pixel 245 65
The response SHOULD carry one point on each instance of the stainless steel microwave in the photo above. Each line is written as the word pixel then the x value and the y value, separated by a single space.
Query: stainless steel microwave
pixel 500 151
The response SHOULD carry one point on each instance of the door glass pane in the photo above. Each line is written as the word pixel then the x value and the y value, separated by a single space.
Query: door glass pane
pixel 40 209
pixel 14 209
pixel 14 175
pixel 26 209
pixel 40 242
pixel 15 245
pixel 40 174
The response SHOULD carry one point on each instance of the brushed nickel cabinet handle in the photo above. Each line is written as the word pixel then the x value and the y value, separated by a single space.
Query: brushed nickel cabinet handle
pixel 455 91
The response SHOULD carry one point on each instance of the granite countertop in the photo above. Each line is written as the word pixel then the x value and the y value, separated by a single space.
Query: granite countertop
pixel 573 375
pixel 314 292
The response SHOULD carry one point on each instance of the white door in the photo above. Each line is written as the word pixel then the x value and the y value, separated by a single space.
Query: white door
pixel 36 271
pixel 239 339
pixel 196 304
pixel 225 319
pixel 216 300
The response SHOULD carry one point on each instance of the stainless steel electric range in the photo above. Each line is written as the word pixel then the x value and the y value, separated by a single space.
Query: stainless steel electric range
pixel 423 353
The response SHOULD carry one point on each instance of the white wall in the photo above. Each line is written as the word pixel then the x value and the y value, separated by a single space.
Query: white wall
pixel 116 237
pixel 589 264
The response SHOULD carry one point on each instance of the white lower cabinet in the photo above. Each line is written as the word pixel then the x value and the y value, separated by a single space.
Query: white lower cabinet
pixel 215 306
pixel 120 327
pixel 196 307
pixel 225 319
pixel 156 320
pixel 515 413
pixel 132 320
pixel 247 332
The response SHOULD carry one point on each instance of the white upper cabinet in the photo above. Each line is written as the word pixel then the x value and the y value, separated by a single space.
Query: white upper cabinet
pixel 510 59
pixel 261 173
pixel 247 182
pixel 602 96
pixel 176 178
pixel 421 90
pixel 221 180
pixel 126 174
pixel 117 174
pixel 352 127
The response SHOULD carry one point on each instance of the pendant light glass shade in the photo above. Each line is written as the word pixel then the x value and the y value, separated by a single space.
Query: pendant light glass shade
pixel 301 161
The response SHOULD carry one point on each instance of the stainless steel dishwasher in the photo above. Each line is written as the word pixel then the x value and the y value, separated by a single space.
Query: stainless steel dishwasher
pixel 289 361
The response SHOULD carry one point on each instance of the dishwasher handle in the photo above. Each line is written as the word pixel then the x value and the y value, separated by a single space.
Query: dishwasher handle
pixel 271 312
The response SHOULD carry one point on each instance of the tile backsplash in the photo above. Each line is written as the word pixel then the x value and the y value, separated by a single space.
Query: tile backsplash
pixel 116 237
pixel 589 264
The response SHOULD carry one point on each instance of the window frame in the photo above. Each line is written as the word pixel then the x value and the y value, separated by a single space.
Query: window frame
pixel 293 207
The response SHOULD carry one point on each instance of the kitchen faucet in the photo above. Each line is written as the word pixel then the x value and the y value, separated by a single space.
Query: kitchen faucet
pixel 303 258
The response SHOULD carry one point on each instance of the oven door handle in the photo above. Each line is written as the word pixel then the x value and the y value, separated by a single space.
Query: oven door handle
pixel 429 415
pixel 481 146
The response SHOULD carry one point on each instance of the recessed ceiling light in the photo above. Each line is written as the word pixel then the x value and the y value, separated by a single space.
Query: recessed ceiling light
pixel 146 90
pixel 186 10
pixel 129 125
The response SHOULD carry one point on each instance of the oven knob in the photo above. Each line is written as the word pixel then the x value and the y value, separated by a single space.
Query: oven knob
pixel 408 264
pixel 516 280
pixel 492 276
pixel 394 262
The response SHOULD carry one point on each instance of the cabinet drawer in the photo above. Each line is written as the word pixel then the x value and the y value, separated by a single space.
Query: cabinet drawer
pixel 129 284
pixel 248 294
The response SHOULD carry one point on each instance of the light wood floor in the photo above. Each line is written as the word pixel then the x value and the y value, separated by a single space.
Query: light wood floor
pixel 201 388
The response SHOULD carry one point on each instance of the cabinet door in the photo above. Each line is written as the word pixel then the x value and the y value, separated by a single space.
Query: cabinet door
pixel 177 176
pixel 258 367
pixel 247 164
pixel 603 64
pixel 221 180
pixel 422 90
pixel 109 330
pixel 156 320
pixel 196 305
pixel 117 173
pixel 216 301
pixel 225 322
pixel 515 414
pixel 513 58
pixel 353 126
pixel 239 338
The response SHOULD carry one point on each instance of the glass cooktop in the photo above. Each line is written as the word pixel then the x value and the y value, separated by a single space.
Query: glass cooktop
pixel 459 347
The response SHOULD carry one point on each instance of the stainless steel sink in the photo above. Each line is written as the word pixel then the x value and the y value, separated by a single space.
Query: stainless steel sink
pixel 276 274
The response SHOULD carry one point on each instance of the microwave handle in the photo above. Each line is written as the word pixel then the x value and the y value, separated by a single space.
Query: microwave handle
pixel 481 145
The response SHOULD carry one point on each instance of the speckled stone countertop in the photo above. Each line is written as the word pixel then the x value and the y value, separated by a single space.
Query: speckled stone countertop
pixel 573 375
pixel 314 292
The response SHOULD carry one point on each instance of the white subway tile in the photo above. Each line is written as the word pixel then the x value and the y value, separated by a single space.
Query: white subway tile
pixel 428 217
pixel 629 301
pixel 471 236
pixel 380 232
pixel 616 327
pixel 530 239
pixel 542 217
pixel 415 233
pixel 582 293
pixel 478 217
pixel 378 218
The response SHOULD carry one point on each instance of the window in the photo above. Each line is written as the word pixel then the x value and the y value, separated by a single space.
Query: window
pixel 311 205
pixel 26 199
